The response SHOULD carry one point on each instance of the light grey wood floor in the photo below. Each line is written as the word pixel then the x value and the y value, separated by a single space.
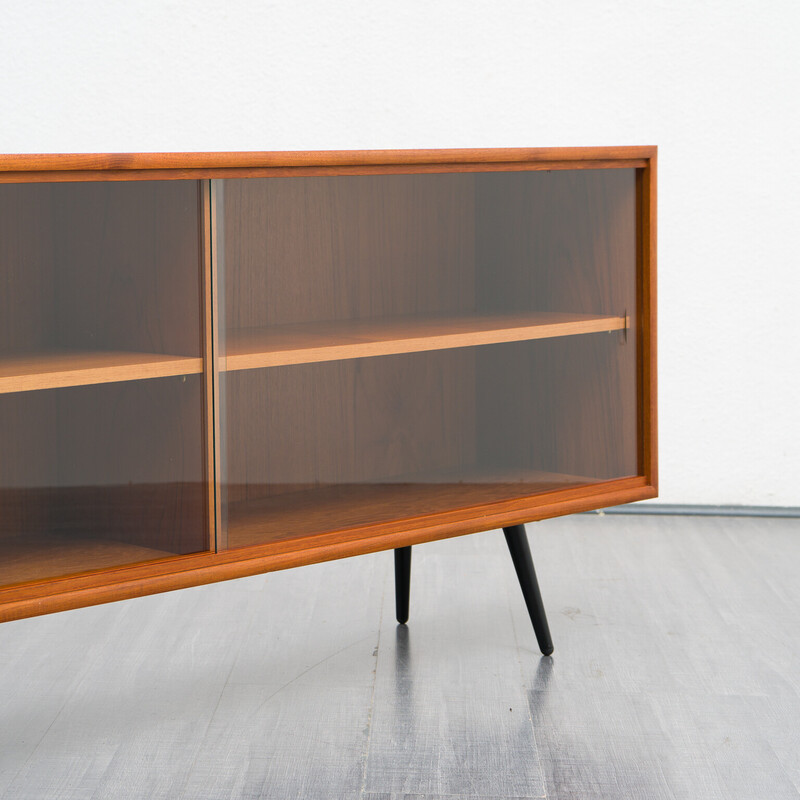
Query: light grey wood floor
pixel 676 674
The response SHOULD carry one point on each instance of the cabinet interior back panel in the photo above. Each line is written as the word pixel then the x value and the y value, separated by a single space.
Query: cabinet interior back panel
pixel 127 266
pixel 313 249
pixel 27 313
pixel 560 241
pixel 308 249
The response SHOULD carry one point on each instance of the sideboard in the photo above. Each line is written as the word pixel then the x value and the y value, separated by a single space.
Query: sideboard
pixel 218 364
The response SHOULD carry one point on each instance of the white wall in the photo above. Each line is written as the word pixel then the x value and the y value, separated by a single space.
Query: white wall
pixel 715 84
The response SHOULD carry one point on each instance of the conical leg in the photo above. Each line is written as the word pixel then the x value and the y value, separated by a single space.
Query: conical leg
pixel 402 582
pixel 523 563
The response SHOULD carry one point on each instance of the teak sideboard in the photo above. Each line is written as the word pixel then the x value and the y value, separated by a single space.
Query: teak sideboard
pixel 219 364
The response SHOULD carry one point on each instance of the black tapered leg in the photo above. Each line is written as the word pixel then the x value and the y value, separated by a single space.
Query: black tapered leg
pixel 402 582
pixel 523 563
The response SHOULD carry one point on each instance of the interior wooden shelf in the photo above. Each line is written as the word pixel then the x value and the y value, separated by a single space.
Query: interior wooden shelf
pixel 37 557
pixel 325 508
pixel 305 343
pixel 56 369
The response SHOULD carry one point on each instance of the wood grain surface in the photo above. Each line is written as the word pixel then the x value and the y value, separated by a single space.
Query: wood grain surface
pixel 129 265
pixel 131 463
pixel 331 341
pixel 360 420
pixel 560 240
pixel 321 250
pixel 196 569
pixel 35 558
pixel 106 294
pixel 293 511
pixel 647 286
pixel 28 423
pixel 336 158
pixel 52 370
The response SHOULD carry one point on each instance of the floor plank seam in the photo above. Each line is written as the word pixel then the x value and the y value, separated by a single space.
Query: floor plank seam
pixel 368 738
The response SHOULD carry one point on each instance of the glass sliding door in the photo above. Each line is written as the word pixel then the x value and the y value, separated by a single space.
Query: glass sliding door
pixel 101 385
pixel 399 346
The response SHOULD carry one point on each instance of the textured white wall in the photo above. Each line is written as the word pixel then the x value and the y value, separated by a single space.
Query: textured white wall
pixel 715 84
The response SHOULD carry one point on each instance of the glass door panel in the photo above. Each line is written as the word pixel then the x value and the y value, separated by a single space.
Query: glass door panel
pixel 400 345
pixel 101 388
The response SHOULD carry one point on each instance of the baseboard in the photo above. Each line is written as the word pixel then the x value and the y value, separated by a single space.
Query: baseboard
pixel 679 509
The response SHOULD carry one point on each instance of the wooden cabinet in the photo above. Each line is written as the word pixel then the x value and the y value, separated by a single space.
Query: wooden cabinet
pixel 213 365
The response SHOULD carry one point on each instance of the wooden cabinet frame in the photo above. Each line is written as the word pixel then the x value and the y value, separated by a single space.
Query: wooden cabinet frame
pixel 28 599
